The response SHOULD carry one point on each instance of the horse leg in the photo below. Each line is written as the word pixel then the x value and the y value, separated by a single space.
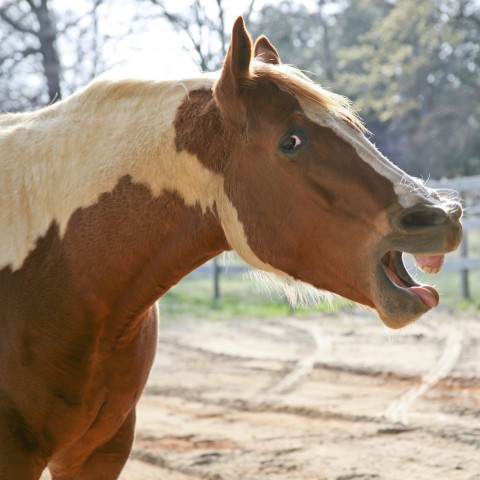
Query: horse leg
pixel 107 461
pixel 20 457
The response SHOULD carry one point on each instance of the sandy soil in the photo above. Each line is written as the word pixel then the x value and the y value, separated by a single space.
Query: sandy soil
pixel 337 398
pixel 328 398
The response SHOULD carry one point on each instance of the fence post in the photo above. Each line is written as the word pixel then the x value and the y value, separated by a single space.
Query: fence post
pixel 216 279
pixel 464 272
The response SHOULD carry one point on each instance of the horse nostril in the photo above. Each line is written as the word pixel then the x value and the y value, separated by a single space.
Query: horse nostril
pixel 422 216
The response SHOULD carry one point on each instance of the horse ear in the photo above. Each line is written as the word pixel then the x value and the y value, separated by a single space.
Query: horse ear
pixel 265 51
pixel 236 66
pixel 239 54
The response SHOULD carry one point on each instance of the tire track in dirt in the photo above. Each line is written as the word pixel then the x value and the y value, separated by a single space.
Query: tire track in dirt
pixel 303 367
pixel 264 401
pixel 397 412
pixel 470 438
pixel 211 413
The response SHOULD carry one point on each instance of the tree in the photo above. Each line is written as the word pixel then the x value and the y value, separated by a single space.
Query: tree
pixel 202 27
pixel 304 37
pixel 417 72
pixel 33 38
pixel 36 23
pixel 412 68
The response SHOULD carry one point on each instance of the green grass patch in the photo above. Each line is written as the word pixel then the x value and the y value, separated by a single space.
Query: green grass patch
pixel 240 297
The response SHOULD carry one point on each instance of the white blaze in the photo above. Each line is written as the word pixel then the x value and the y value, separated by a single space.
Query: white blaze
pixel 410 191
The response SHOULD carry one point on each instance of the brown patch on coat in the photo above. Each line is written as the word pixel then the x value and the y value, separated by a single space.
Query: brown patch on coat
pixel 76 325
pixel 199 127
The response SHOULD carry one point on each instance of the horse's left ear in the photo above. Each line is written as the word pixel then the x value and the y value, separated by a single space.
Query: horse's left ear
pixel 265 51
pixel 236 66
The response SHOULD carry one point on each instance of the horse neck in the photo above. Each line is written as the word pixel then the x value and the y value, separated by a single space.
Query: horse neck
pixel 102 182
pixel 64 157
pixel 123 259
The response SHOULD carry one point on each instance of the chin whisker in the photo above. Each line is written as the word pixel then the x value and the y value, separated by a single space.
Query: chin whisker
pixel 297 293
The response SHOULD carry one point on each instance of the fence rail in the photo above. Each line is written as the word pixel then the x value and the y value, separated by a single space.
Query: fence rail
pixel 460 184
pixel 469 190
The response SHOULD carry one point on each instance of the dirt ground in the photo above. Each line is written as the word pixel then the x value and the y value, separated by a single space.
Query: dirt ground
pixel 337 398
pixel 327 398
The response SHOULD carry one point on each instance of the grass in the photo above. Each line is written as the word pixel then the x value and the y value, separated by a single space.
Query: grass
pixel 240 297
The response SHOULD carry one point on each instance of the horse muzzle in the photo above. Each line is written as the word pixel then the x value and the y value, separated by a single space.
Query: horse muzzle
pixel 427 231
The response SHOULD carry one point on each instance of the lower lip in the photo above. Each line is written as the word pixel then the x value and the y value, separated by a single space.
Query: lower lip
pixel 428 295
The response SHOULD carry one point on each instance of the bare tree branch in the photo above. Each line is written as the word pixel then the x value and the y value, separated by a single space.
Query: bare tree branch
pixel 202 32
pixel 13 23
pixel 16 59
pixel 249 11
pixel 221 16
pixel 33 6
pixel 32 41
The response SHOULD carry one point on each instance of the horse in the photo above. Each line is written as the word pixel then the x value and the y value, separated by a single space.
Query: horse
pixel 111 196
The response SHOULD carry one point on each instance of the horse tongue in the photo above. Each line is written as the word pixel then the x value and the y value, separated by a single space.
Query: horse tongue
pixel 427 294
pixel 429 263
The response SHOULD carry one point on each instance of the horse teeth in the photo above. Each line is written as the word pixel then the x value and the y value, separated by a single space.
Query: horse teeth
pixel 427 269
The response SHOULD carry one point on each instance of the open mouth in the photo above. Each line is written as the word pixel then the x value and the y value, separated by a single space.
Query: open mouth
pixel 393 264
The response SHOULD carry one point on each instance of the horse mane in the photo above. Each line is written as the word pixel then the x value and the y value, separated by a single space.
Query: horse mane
pixel 293 81
pixel 103 91
pixel 134 92
pixel 286 77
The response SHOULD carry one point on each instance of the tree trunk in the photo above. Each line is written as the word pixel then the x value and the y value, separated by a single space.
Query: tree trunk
pixel 328 66
pixel 47 35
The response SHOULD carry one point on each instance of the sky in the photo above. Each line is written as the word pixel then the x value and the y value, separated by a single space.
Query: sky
pixel 151 51
pixel 157 51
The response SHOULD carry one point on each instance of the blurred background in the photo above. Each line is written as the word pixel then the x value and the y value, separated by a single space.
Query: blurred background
pixel 412 67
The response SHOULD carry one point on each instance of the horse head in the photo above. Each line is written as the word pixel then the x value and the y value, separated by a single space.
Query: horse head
pixel 312 197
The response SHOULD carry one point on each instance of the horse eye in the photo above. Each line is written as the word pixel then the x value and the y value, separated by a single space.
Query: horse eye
pixel 291 143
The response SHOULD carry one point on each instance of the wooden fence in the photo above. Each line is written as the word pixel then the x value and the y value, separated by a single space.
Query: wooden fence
pixel 469 190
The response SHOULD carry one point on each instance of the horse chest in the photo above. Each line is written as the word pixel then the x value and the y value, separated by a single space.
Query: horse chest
pixel 85 385
pixel 111 383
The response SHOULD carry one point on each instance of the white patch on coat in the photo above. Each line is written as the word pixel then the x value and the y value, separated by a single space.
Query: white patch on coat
pixel 65 156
